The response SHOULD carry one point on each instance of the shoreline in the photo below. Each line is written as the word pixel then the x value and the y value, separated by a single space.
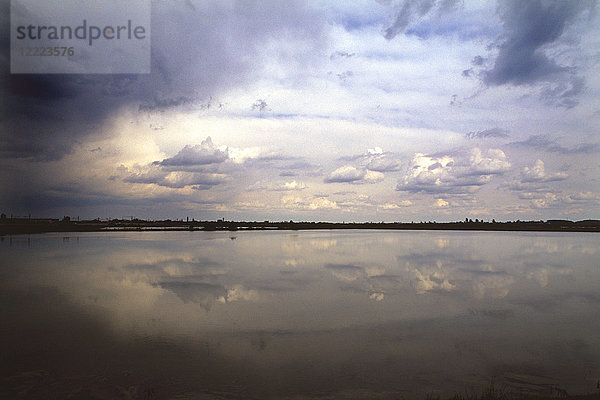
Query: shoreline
pixel 31 226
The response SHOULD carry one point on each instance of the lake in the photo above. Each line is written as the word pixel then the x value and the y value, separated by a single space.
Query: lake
pixel 298 315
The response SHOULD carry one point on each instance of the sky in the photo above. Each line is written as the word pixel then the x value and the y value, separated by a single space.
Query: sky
pixel 366 110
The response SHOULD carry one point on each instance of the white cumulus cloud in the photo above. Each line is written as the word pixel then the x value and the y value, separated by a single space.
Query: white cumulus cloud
pixel 537 173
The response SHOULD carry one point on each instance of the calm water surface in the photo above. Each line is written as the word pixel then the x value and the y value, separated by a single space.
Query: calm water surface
pixel 297 315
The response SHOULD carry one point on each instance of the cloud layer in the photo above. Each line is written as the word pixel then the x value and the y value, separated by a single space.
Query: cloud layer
pixel 389 110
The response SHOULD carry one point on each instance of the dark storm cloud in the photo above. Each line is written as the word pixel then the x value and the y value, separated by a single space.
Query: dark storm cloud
pixel 164 104
pixel 71 197
pixel 196 52
pixel 21 148
pixel 529 28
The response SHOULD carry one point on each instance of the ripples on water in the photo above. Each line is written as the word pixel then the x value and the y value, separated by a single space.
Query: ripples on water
pixel 315 315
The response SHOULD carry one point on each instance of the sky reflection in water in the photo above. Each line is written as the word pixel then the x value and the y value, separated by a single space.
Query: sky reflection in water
pixel 180 315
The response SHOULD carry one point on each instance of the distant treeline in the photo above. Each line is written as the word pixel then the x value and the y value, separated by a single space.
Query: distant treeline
pixel 19 225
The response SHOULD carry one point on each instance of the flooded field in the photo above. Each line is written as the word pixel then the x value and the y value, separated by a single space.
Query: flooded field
pixel 298 315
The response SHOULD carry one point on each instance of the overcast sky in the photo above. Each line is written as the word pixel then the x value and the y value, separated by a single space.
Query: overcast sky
pixel 322 110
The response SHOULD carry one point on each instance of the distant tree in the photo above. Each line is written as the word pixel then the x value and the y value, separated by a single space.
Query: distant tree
pixel 3 217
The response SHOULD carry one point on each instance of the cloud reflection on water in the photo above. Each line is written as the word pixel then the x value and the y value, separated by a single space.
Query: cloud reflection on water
pixel 356 313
